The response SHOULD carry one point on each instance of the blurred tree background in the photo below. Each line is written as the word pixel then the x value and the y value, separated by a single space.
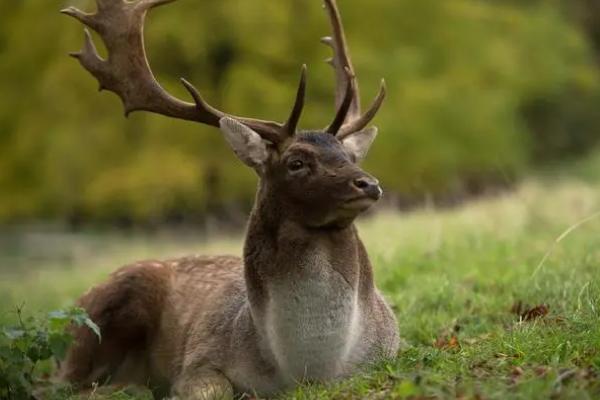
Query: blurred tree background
pixel 480 93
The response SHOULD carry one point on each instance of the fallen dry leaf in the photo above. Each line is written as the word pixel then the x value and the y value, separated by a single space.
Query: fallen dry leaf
pixel 527 313
pixel 447 342
pixel 536 312
pixel 515 373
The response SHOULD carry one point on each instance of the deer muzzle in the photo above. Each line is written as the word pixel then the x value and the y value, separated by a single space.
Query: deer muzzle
pixel 369 186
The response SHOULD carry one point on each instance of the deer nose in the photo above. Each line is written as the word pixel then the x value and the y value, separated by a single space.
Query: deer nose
pixel 370 186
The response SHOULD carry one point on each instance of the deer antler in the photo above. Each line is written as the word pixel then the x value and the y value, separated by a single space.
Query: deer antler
pixel 347 99
pixel 126 71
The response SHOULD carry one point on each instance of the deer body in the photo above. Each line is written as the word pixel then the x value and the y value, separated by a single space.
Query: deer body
pixel 317 318
pixel 301 305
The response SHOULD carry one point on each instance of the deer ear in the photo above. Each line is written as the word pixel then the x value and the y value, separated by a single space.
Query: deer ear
pixel 358 143
pixel 246 144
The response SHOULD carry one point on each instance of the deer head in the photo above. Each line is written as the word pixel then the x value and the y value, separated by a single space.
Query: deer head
pixel 314 174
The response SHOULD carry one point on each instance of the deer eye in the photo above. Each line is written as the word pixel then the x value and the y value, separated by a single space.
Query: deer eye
pixel 295 165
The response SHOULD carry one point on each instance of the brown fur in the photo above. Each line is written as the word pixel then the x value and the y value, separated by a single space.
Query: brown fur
pixel 128 310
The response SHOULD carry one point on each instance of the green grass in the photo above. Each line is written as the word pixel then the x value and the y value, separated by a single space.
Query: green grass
pixel 452 277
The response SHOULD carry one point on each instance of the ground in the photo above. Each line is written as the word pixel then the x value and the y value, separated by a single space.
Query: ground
pixel 496 299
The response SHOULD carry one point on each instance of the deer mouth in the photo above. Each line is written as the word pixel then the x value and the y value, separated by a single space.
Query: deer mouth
pixel 359 203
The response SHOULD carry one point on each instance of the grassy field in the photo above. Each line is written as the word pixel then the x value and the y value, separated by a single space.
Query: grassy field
pixel 498 299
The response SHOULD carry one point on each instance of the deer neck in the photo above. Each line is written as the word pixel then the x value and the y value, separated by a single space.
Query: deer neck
pixel 306 288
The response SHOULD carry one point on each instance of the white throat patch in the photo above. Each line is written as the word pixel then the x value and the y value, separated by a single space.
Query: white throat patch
pixel 312 321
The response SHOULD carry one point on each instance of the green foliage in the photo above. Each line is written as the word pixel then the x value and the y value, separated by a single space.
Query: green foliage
pixel 477 90
pixel 31 342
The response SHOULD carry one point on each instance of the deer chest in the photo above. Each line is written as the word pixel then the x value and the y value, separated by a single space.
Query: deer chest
pixel 312 321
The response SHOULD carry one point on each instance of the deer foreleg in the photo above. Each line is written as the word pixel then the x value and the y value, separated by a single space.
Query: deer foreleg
pixel 204 385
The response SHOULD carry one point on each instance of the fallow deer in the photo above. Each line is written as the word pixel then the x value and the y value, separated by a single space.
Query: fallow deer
pixel 301 305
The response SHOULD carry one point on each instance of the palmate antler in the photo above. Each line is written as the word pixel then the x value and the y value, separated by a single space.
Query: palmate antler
pixel 126 72
pixel 347 98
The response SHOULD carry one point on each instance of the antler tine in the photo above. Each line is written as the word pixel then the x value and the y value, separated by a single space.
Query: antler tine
pixel 126 71
pixel 88 56
pixel 361 122
pixel 344 109
pixel 292 123
pixel 344 72
pixel 84 18
pixel 341 58
pixel 211 116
